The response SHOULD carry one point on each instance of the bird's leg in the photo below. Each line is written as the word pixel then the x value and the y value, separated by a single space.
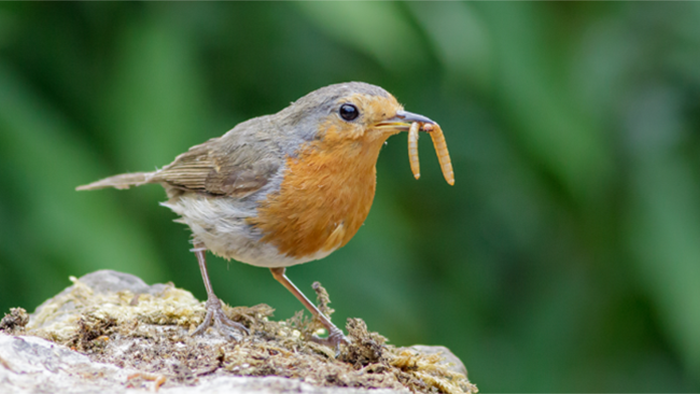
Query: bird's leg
pixel 335 335
pixel 215 314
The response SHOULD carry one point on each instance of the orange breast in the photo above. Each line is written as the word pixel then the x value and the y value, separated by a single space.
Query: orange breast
pixel 325 197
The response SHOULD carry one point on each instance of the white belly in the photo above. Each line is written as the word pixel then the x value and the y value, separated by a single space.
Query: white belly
pixel 220 224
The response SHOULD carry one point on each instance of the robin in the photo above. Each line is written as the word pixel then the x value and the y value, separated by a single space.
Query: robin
pixel 282 189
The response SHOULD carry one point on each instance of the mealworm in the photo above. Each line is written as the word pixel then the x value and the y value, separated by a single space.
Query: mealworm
pixel 159 379
pixel 413 149
pixel 441 149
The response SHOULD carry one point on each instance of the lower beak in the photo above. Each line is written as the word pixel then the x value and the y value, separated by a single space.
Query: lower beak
pixel 403 119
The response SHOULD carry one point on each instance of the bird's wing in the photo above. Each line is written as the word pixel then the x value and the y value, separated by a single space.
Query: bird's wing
pixel 207 168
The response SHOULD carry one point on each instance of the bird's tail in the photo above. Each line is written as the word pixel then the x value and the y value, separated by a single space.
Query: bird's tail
pixel 122 181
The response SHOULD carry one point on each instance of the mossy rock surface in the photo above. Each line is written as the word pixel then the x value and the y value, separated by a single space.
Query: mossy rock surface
pixel 114 319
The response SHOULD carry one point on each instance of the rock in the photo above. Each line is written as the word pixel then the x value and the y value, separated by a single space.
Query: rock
pixel 30 365
pixel 112 333
pixel 453 362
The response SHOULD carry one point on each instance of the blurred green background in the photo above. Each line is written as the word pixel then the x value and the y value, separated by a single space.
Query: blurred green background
pixel 565 258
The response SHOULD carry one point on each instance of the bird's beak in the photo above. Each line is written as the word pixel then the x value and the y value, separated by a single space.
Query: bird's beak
pixel 402 121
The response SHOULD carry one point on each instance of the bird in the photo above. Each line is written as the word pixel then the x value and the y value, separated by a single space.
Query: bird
pixel 282 189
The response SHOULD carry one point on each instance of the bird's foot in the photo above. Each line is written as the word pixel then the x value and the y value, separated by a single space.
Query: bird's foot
pixel 216 317
pixel 334 339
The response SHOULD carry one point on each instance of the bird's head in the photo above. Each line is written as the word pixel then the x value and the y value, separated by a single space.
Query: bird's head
pixel 350 112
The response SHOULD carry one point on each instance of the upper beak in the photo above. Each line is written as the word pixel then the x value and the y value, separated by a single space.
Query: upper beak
pixel 403 119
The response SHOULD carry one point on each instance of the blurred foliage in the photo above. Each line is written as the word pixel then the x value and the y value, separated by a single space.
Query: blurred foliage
pixel 567 256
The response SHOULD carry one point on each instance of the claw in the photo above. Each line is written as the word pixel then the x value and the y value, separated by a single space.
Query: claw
pixel 334 339
pixel 215 317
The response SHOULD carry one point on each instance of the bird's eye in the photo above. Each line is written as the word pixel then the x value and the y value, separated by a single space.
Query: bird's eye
pixel 349 112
